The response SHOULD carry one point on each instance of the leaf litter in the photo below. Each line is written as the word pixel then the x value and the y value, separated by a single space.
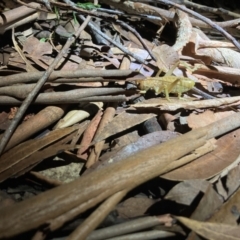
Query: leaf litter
pixel 98 140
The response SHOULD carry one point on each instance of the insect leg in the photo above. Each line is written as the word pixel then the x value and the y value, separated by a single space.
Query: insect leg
pixel 172 85
pixel 158 73
pixel 170 71
pixel 166 92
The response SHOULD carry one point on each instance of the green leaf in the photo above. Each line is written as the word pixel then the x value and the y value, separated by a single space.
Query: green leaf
pixel 43 40
pixel 88 6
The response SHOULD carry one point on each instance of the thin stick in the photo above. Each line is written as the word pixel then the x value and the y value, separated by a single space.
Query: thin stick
pixel 210 9
pixel 87 74
pixel 97 216
pixel 128 227
pixel 28 100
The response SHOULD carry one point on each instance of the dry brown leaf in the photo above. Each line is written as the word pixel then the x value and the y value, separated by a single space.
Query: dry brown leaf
pixel 36 48
pixel 226 74
pixel 209 203
pixel 143 142
pixel 124 140
pixel 228 186
pixel 208 147
pixel 22 151
pixel 122 122
pixel 221 55
pixel 212 231
pixel 208 83
pixel 184 31
pixel 135 207
pixel 232 180
pixel 205 118
pixel 229 211
pixel 4 121
pixel 186 191
pixel 166 57
pixel 207 166
pixel 53 149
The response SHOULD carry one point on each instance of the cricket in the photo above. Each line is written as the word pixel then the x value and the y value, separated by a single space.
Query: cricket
pixel 166 84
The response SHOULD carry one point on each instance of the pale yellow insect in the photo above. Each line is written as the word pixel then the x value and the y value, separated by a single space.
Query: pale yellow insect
pixel 167 84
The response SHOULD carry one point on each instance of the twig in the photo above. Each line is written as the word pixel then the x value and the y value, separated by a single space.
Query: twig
pixel 126 227
pixel 123 14
pixel 152 234
pixel 97 216
pixel 73 96
pixel 203 94
pixel 8 133
pixel 83 73
pixel 210 9
pixel 57 97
